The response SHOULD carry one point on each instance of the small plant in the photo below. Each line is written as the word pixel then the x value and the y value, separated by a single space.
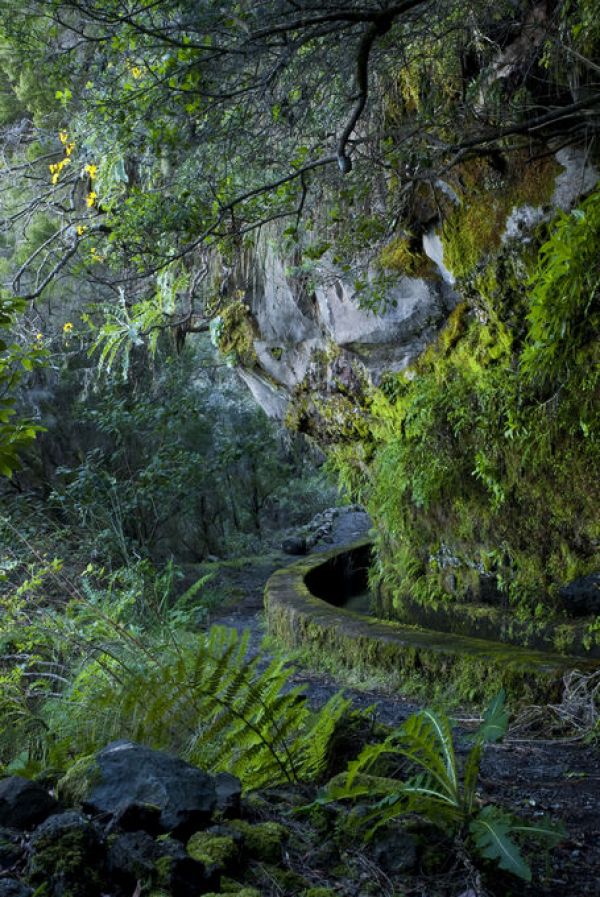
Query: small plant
pixel 437 791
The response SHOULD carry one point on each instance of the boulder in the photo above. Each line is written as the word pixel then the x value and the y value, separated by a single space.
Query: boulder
pixel 130 775
pixel 133 817
pixel 229 794
pixel 136 856
pixel 68 857
pixel 10 848
pixel 582 596
pixel 24 804
pixel 294 545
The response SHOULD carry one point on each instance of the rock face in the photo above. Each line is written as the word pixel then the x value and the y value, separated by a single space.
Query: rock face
pixel 24 804
pixel 311 333
pixel 582 596
pixel 298 327
pixel 131 774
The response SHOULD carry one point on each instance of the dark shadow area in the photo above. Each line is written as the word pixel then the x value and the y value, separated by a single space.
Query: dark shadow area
pixel 342 578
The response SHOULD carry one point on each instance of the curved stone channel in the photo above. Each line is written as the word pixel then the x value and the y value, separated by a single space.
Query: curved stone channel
pixel 298 617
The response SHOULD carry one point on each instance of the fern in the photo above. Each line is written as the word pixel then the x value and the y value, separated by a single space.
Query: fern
pixel 88 673
pixel 435 791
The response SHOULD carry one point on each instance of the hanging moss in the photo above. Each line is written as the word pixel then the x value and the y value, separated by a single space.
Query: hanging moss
pixel 404 256
pixel 475 227
pixel 236 333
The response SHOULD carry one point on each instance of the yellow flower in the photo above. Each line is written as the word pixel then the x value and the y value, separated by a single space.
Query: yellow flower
pixel 39 336
pixel 69 148
pixel 56 169
pixel 136 71
pixel 81 229
pixel 68 327
pixel 91 199
pixel 91 170
pixel 63 137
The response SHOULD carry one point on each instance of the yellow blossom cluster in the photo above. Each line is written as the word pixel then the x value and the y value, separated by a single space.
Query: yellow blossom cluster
pixel 57 167
pixel 68 328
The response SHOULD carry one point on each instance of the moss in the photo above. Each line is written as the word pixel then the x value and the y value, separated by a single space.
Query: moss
pixel 236 332
pixel 69 857
pixel 79 780
pixel 476 226
pixel 263 840
pixel 287 881
pixel 213 850
pixel 404 256
pixel 472 668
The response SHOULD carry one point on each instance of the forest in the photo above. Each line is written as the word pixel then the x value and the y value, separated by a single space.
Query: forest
pixel 299 448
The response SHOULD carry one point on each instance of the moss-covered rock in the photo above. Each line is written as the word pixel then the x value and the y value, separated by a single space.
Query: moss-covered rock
pixel 213 850
pixel 262 840
pixel 68 857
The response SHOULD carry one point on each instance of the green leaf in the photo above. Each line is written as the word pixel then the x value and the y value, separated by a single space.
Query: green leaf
pixel 495 720
pixel 491 831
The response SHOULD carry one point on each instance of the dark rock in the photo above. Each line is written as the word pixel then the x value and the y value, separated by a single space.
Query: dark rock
pixel 489 593
pixel 181 876
pixel 294 545
pixel 582 596
pixel 24 804
pixel 10 887
pixel 68 856
pixel 11 850
pixel 136 856
pixel 137 818
pixel 395 849
pixel 226 831
pixel 229 794
pixel 131 858
pixel 131 775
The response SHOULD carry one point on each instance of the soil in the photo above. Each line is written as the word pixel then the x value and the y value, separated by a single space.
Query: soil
pixel 534 776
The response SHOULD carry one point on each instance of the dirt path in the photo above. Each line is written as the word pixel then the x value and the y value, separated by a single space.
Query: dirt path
pixel 533 777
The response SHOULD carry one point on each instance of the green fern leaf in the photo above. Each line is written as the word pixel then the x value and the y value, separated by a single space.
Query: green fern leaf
pixel 491 832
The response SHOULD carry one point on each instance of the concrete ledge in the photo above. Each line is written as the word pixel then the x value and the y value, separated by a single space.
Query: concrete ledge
pixel 477 668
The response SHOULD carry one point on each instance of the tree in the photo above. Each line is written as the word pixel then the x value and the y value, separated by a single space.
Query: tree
pixel 180 130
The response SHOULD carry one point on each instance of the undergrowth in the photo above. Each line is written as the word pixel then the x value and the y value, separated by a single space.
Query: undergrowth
pixel 97 665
